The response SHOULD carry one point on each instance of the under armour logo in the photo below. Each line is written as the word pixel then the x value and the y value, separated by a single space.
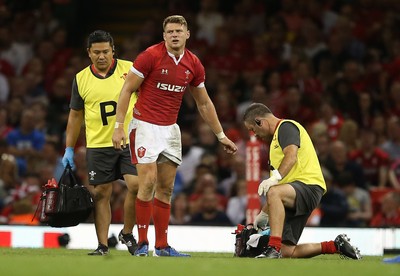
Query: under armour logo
pixel 142 226
pixel 164 71
pixel 92 174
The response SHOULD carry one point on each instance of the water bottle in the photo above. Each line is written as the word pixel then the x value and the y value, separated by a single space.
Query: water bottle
pixel 51 196
pixel 43 217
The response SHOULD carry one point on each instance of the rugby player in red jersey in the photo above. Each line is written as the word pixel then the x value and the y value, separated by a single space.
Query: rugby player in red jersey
pixel 162 74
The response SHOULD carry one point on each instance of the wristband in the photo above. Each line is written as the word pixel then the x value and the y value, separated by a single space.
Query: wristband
pixel 220 135
pixel 117 124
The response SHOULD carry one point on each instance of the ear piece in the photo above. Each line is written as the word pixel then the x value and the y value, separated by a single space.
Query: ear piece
pixel 258 122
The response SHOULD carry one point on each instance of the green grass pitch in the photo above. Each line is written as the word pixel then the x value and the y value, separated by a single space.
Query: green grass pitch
pixel 58 262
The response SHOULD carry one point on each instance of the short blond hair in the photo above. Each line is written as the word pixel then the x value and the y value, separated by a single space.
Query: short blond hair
pixel 178 19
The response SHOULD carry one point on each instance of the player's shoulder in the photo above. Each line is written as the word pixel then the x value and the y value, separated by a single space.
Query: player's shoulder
pixel 194 61
pixel 156 49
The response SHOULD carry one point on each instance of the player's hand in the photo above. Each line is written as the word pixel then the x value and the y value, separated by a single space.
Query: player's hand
pixel 264 186
pixel 68 157
pixel 118 137
pixel 229 146
pixel 261 221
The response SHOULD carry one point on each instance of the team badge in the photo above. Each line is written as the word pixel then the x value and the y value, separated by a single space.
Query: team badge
pixel 91 175
pixel 187 72
pixel 141 152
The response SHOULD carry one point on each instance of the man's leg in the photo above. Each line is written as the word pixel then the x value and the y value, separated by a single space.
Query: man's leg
pixel 102 211
pixel 278 198
pixel 305 250
pixel 341 245
pixel 130 203
pixel 147 177
pixel 162 210
pixel 126 235
pixel 162 201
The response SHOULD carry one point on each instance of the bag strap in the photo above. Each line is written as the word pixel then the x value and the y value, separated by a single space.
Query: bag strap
pixel 42 197
pixel 73 178
pixel 68 172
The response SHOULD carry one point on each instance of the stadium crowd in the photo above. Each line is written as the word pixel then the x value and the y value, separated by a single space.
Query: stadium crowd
pixel 334 66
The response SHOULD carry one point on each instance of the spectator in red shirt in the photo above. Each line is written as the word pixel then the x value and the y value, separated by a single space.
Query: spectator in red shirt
pixel 294 107
pixel 349 134
pixel 221 58
pixel 209 213
pixel 206 182
pixel 338 162
pixel 373 160
pixel 260 61
pixel 344 98
pixel 367 110
pixel 275 93
pixel 389 216
pixel 379 127
pixel 353 74
pixel 332 119
pixel 310 86
pixel 277 43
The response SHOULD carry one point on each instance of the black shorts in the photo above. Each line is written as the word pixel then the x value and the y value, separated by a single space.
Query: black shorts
pixel 307 199
pixel 105 165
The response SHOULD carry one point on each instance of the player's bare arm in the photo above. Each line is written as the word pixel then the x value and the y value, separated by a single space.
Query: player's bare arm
pixel 131 84
pixel 289 160
pixel 209 114
pixel 75 120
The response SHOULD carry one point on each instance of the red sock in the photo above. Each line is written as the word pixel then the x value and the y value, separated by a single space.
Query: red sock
pixel 328 247
pixel 275 242
pixel 161 213
pixel 143 215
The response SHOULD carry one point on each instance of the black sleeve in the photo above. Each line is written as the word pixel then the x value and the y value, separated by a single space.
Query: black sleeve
pixel 76 99
pixel 288 134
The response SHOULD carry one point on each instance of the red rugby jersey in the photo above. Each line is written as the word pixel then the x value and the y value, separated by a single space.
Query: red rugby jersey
pixel 165 81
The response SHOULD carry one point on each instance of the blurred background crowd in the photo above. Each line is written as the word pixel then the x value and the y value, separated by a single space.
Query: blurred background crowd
pixel 332 65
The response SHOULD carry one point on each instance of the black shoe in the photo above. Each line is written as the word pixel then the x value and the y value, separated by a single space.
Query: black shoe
pixel 346 250
pixel 270 253
pixel 101 250
pixel 129 241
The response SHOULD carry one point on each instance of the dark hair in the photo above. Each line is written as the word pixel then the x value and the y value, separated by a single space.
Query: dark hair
pixel 100 36
pixel 254 110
